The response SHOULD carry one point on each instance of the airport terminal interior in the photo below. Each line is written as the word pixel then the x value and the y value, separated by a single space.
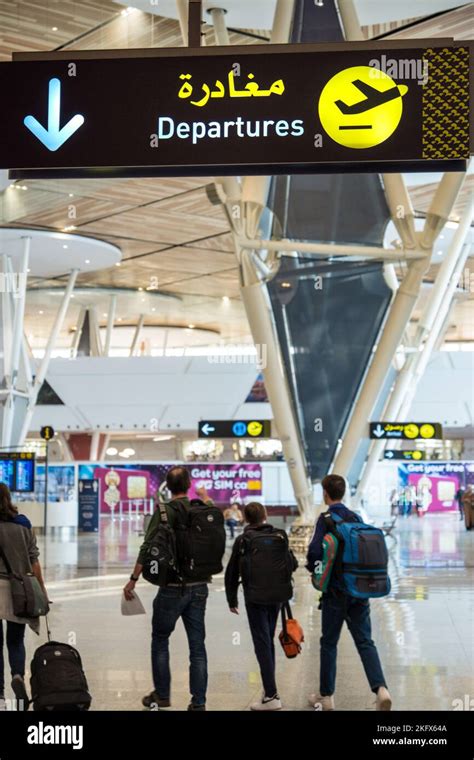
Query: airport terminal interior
pixel 244 311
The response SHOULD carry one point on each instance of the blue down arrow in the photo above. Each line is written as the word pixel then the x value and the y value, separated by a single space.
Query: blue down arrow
pixel 54 137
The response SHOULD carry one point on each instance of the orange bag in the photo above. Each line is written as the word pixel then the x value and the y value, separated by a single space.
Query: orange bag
pixel 292 635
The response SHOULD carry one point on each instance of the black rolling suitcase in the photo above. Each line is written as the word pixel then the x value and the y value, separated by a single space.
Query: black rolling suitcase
pixel 57 679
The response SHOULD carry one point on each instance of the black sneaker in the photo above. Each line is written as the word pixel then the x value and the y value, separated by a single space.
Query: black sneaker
pixel 19 690
pixel 199 708
pixel 153 701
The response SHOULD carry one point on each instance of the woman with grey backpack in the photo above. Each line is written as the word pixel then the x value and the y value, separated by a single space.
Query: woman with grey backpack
pixel 18 558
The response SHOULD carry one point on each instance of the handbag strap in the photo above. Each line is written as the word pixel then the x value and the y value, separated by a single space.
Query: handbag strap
pixel 5 561
pixel 285 615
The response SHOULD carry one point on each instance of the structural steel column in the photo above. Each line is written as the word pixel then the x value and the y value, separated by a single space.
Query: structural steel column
pixel 44 366
pixel 110 324
pixel 220 27
pixel 432 320
pixel 350 21
pixel 257 306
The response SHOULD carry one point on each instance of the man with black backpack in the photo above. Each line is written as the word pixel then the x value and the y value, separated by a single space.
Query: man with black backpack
pixel 262 560
pixel 359 573
pixel 183 548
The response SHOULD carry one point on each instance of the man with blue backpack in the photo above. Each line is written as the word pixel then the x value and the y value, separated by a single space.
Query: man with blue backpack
pixel 358 573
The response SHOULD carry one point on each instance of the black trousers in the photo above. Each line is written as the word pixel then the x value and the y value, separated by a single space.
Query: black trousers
pixel 262 621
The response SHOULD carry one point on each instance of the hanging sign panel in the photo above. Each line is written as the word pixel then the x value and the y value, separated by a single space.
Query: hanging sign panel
pixel 406 430
pixel 279 109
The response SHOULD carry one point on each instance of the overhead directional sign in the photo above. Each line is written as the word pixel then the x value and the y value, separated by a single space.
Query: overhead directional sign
pixel 235 429
pixel 406 430
pixel 250 109
pixel 410 456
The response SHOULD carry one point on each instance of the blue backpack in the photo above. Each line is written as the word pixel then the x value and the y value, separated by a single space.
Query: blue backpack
pixel 363 558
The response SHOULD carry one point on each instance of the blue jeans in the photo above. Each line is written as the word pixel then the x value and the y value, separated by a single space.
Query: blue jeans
pixel 337 607
pixel 262 621
pixel 170 604
pixel 16 651
pixel 232 524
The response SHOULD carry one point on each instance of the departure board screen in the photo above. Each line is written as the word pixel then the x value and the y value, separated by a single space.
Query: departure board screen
pixel 7 473
pixel 17 471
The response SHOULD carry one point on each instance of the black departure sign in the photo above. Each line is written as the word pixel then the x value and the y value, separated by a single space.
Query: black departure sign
pixel 411 431
pixel 280 109
pixel 408 456
pixel 235 429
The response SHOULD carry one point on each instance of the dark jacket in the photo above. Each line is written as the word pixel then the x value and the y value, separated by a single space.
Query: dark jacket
pixel 19 544
pixel 315 549
pixel 232 571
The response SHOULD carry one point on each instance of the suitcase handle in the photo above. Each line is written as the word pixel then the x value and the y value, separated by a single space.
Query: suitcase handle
pixel 47 628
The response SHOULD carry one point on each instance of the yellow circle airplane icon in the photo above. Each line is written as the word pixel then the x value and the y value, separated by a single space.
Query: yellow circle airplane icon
pixel 416 455
pixel 411 430
pixel 361 106
pixel 427 431
pixel 254 428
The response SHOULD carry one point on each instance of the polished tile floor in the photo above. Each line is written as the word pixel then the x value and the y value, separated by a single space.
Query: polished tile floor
pixel 424 630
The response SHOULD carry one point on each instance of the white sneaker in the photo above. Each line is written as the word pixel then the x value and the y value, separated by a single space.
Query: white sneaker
pixel 319 703
pixel 267 704
pixel 384 700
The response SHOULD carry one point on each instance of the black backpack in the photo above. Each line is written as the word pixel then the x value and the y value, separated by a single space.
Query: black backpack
pixel 266 566
pixel 57 679
pixel 160 565
pixel 200 540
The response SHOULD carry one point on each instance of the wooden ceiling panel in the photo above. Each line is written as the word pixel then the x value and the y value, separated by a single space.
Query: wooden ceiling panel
pixel 27 25
pixel 153 223
pixel 422 195
pixel 191 260
pixel 84 210
pixel 223 242
pixel 133 192
pixel 216 285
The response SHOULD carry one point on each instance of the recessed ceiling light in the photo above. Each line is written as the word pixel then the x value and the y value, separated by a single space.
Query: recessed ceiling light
pixel 118 264
pixel 112 451
pixel 104 314
pixel 41 312
pixel 69 228
pixel 71 195
pixel 65 246
pixel 87 261
pixel 153 308
pixel 140 289
pixel 440 253
pixel 54 28
pixel 119 319
pixel 191 327
pixel 286 284
pixel 226 299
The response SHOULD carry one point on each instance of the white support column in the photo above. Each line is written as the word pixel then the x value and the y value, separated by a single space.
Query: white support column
pixel 43 369
pixel 282 21
pixel 220 27
pixel 441 206
pixel 390 338
pixel 183 15
pixel 438 324
pixel 350 20
pixel 401 209
pixel 438 293
pixel 137 334
pixel 19 302
pixel 105 446
pixel 255 299
pixel 78 333
pixel 430 325
pixel 110 324
pixel 94 450
pixel 330 249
